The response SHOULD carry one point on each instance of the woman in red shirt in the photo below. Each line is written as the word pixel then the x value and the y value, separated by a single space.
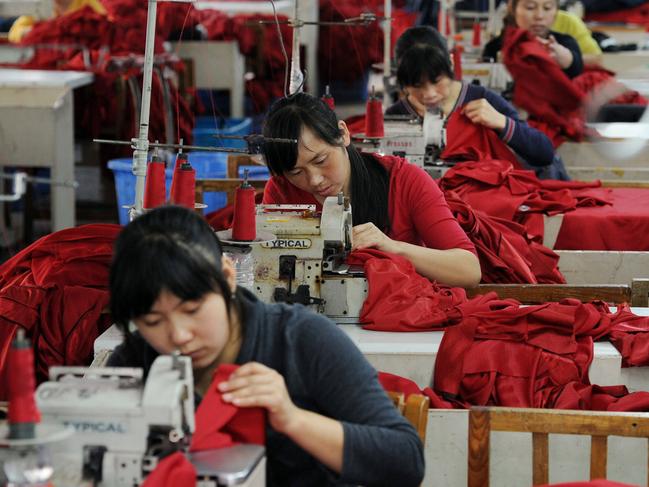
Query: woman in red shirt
pixel 397 207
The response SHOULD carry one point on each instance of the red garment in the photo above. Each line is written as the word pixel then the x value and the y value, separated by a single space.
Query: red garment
pixel 624 225
pixel 417 210
pixel 634 15
pixel 541 87
pixel 220 424
pixel 468 141
pixel 554 101
pixel 516 195
pixel 399 299
pixel 506 252
pixel 57 290
pixel 174 470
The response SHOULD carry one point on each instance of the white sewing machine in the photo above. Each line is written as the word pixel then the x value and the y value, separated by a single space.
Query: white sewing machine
pixel 420 143
pixel 124 426
pixel 305 263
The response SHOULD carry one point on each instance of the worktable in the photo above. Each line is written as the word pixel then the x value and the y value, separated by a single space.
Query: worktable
pixel 37 129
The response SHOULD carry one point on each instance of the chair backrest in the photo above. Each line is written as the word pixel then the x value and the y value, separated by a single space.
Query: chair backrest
pixel 541 422
pixel 232 182
pixel 414 408
pixel 544 293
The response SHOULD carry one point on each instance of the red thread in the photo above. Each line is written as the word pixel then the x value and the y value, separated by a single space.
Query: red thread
pixel 476 41
pixel 22 404
pixel 181 159
pixel 244 224
pixel 329 100
pixel 374 118
pixel 457 62
pixel 155 190
pixel 184 189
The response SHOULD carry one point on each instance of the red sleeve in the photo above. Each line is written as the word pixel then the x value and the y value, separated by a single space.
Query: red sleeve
pixel 418 200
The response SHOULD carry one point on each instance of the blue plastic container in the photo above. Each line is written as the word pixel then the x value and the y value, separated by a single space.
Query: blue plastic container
pixel 207 127
pixel 206 164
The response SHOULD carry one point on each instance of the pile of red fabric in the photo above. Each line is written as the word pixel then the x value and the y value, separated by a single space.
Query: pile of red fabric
pixel 554 102
pixel 111 41
pixel 499 190
pixel 507 253
pixel 57 290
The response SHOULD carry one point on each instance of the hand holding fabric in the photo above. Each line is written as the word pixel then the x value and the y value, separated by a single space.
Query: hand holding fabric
pixel 367 235
pixel 559 53
pixel 255 385
pixel 482 113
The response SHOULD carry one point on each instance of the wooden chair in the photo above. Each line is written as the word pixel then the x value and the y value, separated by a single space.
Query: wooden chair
pixel 541 422
pixel 415 409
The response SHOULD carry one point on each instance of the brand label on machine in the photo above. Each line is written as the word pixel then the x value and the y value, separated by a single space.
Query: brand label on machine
pixel 288 243
pixel 96 426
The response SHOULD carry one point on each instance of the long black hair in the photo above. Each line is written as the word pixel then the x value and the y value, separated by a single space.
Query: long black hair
pixel 370 181
pixel 421 63
pixel 169 249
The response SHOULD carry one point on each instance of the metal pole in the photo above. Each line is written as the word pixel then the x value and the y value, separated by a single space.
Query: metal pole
pixel 387 50
pixel 491 21
pixel 142 142
pixel 295 76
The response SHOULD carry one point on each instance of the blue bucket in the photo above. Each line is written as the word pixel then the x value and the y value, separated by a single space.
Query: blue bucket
pixel 207 127
pixel 207 165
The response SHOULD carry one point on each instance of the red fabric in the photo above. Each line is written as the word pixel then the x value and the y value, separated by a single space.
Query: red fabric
pixel 554 101
pixel 549 348
pixel 220 424
pixel 174 470
pixel 468 141
pixel 399 299
pixel 624 225
pixel 634 15
pixel 518 195
pixel 506 252
pixel 541 87
pixel 57 290
pixel 417 209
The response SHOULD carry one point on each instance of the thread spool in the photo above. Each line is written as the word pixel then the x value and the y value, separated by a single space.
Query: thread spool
pixel 23 413
pixel 181 159
pixel 476 41
pixel 184 189
pixel 329 99
pixel 374 117
pixel 457 62
pixel 244 226
pixel 155 190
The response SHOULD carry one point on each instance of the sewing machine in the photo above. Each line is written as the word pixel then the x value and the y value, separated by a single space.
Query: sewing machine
pixel 406 136
pixel 305 263
pixel 122 426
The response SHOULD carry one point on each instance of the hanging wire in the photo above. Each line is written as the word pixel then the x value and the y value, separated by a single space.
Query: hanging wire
pixel 281 43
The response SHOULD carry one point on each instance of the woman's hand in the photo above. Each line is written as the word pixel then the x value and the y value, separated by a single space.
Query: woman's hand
pixel 559 53
pixel 255 385
pixel 368 235
pixel 481 112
